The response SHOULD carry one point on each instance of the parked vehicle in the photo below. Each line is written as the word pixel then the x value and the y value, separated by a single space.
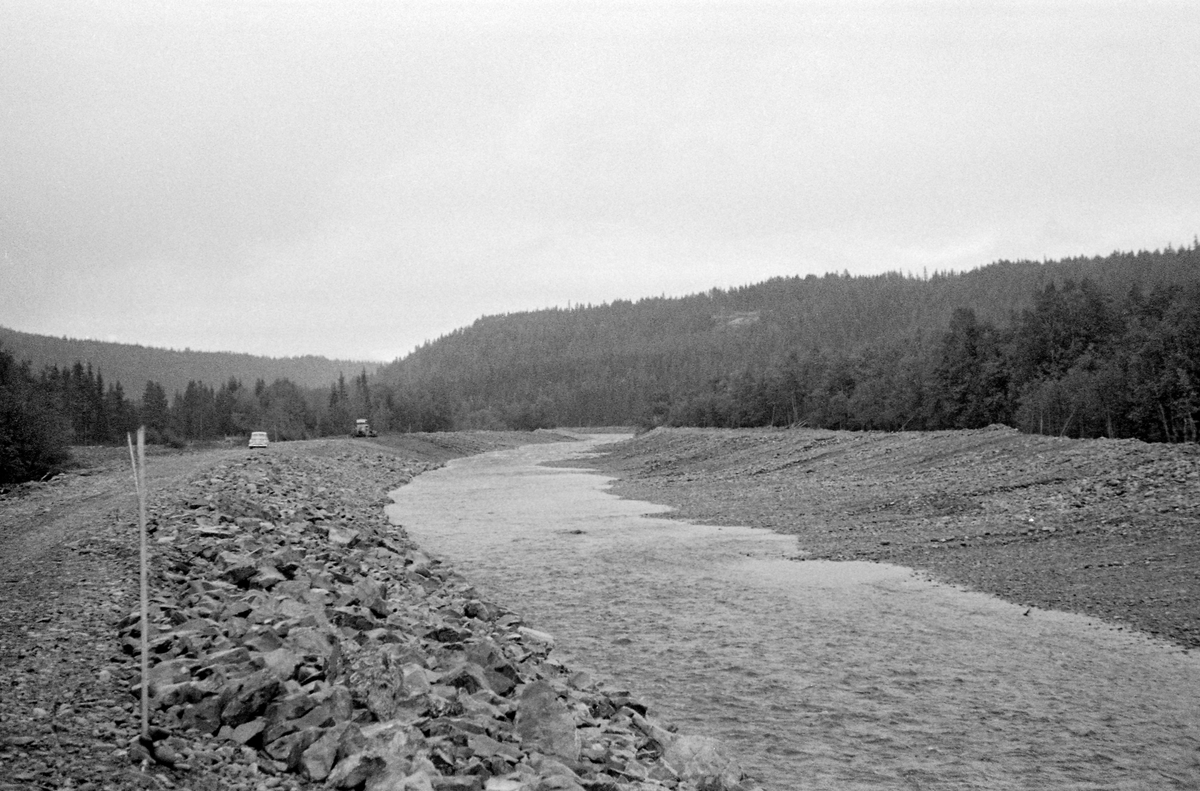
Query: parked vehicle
pixel 363 429
pixel 258 439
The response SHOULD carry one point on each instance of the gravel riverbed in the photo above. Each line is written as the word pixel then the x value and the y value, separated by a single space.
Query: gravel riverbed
pixel 1104 528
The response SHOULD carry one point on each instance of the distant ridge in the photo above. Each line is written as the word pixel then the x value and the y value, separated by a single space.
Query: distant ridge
pixel 133 365
pixel 787 342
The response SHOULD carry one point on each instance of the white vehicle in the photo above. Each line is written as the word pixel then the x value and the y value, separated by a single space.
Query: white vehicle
pixel 258 439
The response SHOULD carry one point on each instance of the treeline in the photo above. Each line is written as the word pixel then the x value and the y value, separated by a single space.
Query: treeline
pixel 133 364
pixel 1082 347
pixel 34 436
pixel 43 414
pixel 284 410
pixel 1078 364
pixel 96 414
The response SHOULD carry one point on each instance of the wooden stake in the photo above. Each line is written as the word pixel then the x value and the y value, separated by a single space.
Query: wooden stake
pixel 139 478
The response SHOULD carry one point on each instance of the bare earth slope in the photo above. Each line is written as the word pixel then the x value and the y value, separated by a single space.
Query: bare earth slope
pixel 1104 528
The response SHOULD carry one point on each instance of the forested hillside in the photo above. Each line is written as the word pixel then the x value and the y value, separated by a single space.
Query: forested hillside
pixel 1083 347
pixel 134 365
pixel 55 393
pixel 43 414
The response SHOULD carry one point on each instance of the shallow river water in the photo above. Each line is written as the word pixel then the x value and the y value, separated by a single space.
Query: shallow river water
pixel 817 674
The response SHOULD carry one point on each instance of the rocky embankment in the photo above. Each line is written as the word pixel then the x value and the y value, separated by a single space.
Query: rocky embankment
pixel 299 640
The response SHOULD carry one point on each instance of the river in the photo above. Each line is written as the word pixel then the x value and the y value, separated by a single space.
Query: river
pixel 817 674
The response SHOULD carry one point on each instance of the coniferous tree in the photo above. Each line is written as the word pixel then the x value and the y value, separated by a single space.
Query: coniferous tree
pixel 34 436
pixel 155 412
pixel 972 375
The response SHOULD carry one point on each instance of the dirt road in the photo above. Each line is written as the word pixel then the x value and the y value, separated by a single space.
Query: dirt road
pixel 824 675
pixel 68 574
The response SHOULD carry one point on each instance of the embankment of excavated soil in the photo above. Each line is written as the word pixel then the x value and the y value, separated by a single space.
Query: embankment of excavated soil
pixel 1106 528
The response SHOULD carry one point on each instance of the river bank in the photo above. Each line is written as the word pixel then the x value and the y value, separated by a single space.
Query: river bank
pixel 1103 528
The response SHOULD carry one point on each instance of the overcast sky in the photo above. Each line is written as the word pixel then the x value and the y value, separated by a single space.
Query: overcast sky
pixel 352 179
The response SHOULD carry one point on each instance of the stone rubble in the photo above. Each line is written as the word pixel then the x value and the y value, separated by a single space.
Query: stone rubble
pixel 299 638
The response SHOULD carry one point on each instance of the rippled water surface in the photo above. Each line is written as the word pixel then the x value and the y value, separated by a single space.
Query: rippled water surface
pixel 820 675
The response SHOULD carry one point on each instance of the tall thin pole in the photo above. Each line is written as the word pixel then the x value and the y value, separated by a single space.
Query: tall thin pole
pixel 139 477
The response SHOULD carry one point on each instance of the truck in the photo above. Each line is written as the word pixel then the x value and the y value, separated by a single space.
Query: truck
pixel 363 429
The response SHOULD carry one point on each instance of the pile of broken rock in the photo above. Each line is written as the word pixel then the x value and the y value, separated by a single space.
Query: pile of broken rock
pixel 293 627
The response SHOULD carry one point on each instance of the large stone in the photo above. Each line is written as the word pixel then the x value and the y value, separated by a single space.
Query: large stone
pixel 415 679
pixel 290 707
pixel 339 741
pixel 698 759
pixel 499 672
pixel 264 639
pixel 483 745
pixel 481 610
pixel 319 717
pixel 204 716
pixel 317 760
pixel 338 699
pixel 248 731
pixel 249 698
pixel 365 589
pixel 538 642
pixel 238 568
pixel 293 588
pixel 267 577
pixel 379 754
pixel 289 561
pixel 342 536
pixel 448 633
pixel 310 640
pixel 702 759
pixel 281 663
pixel 170 672
pixel 545 724
pixel 290 749
pixel 354 770
pixel 197 625
pixel 469 677
pixel 230 656
pixel 167 695
pixel 293 608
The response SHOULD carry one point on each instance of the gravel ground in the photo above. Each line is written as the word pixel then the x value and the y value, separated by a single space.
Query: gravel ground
pixel 1106 528
pixel 69 574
